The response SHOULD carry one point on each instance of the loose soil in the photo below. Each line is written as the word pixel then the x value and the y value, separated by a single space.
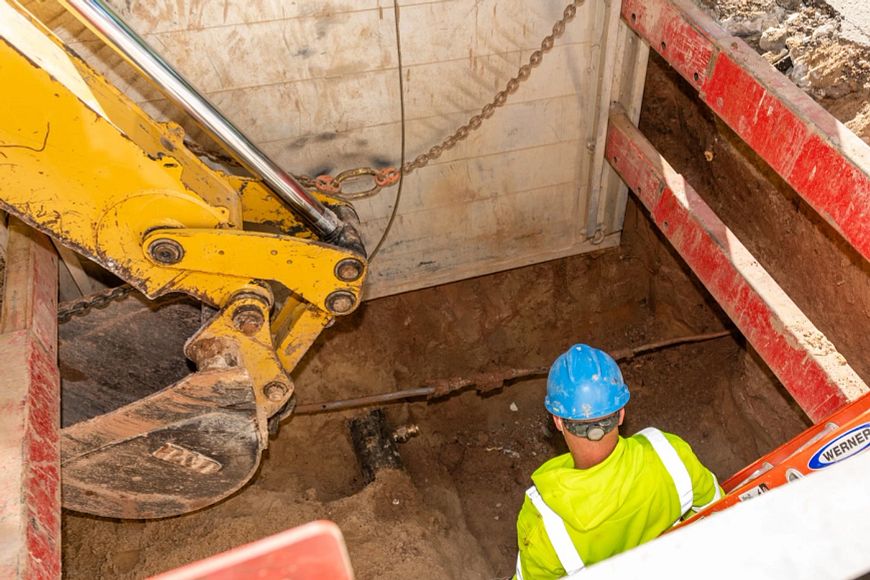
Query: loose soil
pixel 451 512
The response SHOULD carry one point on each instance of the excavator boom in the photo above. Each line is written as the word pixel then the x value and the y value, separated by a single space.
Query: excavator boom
pixel 82 163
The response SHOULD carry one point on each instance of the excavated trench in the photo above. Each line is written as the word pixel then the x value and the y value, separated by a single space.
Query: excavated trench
pixel 451 511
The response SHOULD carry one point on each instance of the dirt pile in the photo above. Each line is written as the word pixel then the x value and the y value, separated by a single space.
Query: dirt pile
pixel 389 527
pixel 807 41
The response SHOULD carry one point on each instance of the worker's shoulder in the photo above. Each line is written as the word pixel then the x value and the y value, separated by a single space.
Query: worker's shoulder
pixel 678 443
pixel 563 461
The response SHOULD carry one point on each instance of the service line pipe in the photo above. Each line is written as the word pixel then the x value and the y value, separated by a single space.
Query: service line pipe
pixel 106 24
pixel 488 381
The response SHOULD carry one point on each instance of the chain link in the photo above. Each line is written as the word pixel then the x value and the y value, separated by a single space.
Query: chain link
pixel 83 305
pixel 390 175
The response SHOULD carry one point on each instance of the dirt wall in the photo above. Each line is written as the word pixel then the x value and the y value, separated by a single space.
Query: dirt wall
pixel 827 278
pixel 525 317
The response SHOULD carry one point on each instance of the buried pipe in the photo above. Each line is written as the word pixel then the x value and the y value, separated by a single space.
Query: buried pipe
pixel 375 447
pixel 487 381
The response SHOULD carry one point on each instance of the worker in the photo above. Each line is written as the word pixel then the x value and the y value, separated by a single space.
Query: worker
pixel 610 493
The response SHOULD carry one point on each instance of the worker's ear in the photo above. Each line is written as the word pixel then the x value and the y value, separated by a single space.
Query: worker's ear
pixel 621 416
pixel 558 423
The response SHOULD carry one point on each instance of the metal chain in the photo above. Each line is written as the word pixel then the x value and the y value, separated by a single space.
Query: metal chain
pixel 390 175
pixel 83 305
pixel 500 98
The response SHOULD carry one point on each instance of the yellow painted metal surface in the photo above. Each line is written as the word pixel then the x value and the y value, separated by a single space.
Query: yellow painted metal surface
pixel 70 172
pixel 222 260
pixel 251 345
pixel 296 327
pixel 81 162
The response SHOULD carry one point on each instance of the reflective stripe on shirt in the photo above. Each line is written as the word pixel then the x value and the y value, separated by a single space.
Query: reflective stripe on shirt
pixel 675 466
pixel 558 534
pixel 554 525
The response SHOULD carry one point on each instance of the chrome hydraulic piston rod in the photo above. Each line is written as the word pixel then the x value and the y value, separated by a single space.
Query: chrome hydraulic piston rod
pixel 106 24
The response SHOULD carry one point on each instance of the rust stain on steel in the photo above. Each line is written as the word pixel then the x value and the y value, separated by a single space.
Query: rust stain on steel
pixel 483 382
pixel 213 353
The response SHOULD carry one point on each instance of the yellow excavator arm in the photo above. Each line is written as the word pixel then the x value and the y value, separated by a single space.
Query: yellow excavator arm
pixel 82 163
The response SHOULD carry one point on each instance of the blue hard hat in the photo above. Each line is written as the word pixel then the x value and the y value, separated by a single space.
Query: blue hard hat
pixel 585 383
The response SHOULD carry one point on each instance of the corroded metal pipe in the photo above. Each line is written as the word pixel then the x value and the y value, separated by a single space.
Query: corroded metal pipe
pixel 488 381
pixel 106 24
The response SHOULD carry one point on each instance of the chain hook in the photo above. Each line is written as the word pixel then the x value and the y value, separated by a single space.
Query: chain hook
pixel 335 185
pixel 326 184
pixel 388 177
pixel 355 174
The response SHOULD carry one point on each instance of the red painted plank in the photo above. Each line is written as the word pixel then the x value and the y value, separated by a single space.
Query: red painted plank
pixel 30 411
pixel 826 164
pixel 802 358
pixel 30 292
pixel 662 25
pixel 314 551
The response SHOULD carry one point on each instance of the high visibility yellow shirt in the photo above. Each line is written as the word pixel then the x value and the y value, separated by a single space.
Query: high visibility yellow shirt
pixel 624 501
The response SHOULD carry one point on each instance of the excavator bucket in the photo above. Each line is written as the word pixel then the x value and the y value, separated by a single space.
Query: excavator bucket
pixel 126 433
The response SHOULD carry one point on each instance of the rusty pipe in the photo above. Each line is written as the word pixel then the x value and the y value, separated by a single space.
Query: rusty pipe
pixel 459 384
